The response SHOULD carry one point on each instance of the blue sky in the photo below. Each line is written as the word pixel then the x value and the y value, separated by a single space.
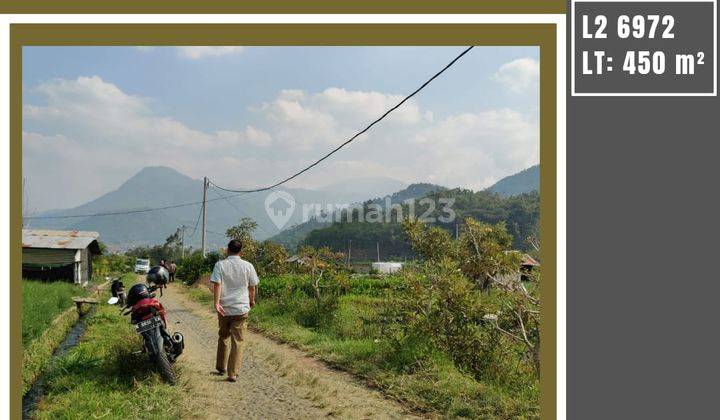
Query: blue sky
pixel 269 110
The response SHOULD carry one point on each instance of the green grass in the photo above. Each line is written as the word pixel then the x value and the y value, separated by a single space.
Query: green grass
pixel 129 279
pixel 101 377
pixel 350 336
pixel 199 294
pixel 37 355
pixel 42 303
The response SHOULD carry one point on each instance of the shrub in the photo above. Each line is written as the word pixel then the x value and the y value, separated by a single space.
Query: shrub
pixel 111 264
pixel 191 268
pixel 448 310
pixel 270 259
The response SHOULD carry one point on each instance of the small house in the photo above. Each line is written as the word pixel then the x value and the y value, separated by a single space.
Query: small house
pixel 59 255
pixel 525 271
pixel 386 267
pixel 296 259
pixel 527 265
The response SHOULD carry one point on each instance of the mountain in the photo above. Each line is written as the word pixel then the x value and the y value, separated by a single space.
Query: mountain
pixel 160 186
pixel 296 234
pixel 411 192
pixel 522 182
pixel 366 187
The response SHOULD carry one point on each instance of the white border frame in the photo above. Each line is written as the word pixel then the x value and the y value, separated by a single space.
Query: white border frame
pixel 559 20
pixel 572 50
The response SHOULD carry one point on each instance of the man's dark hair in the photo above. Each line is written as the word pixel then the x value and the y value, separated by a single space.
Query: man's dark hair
pixel 234 246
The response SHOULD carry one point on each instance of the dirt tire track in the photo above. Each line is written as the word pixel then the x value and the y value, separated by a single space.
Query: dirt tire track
pixel 276 381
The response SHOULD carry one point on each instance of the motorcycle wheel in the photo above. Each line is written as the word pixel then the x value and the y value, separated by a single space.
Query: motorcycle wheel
pixel 166 369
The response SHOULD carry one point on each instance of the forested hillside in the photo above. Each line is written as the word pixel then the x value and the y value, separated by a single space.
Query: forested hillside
pixel 521 214
pixel 290 238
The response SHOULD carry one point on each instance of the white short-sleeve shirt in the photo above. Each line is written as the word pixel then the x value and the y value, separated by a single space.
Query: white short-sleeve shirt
pixel 235 275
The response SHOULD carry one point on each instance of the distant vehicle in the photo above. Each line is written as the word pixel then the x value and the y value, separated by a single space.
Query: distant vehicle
pixel 142 266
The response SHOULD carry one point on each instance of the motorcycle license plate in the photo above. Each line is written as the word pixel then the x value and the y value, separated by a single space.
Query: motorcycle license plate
pixel 147 324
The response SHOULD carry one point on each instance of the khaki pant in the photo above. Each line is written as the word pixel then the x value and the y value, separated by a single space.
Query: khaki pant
pixel 233 327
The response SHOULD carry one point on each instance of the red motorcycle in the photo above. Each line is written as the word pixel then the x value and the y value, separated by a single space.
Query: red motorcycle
pixel 148 315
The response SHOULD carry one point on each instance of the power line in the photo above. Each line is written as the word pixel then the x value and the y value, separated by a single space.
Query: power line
pixel 239 210
pixel 123 212
pixel 327 155
pixel 197 222
pixel 119 212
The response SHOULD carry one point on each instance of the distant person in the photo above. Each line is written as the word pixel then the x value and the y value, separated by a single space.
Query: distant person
pixel 172 268
pixel 162 264
pixel 234 281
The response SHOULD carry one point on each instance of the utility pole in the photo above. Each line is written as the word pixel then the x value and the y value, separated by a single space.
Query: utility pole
pixel 204 213
pixel 182 241
pixel 378 250
pixel 350 252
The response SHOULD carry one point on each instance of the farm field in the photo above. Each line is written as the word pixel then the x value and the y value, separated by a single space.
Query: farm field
pixel 352 329
pixel 42 303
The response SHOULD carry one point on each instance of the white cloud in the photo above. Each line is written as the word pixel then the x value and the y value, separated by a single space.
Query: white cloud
pixel 200 52
pixel 90 126
pixel 477 149
pixel 197 52
pixel 305 120
pixel 519 75
pixel 250 136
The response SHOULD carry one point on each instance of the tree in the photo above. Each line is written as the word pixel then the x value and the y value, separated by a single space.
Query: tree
pixel 485 252
pixel 433 244
pixel 318 263
pixel 243 232
pixel 271 258
pixel 519 317
pixel 174 240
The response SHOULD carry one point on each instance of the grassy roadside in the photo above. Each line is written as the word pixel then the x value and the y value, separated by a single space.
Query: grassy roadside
pixel 37 355
pixel 349 337
pixel 48 314
pixel 101 377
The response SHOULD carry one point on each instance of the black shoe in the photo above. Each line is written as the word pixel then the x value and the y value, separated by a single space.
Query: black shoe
pixel 219 372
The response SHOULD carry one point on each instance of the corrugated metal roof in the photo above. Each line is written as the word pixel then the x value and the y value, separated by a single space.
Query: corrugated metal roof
pixel 59 239
pixel 525 259
pixel 529 261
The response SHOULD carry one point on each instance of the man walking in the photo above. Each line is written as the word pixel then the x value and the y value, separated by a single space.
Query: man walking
pixel 172 268
pixel 234 281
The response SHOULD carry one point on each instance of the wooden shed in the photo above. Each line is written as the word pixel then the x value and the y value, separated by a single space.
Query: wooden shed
pixel 59 255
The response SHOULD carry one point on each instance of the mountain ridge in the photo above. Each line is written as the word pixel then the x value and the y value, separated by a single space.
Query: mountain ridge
pixel 525 181
pixel 159 186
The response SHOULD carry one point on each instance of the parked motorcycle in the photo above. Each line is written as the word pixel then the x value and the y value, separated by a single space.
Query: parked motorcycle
pixel 148 315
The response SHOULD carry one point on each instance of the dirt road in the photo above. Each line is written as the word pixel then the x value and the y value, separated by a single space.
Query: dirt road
pixel 276 381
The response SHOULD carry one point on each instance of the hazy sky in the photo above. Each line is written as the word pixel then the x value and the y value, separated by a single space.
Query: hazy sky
pixel 94 116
